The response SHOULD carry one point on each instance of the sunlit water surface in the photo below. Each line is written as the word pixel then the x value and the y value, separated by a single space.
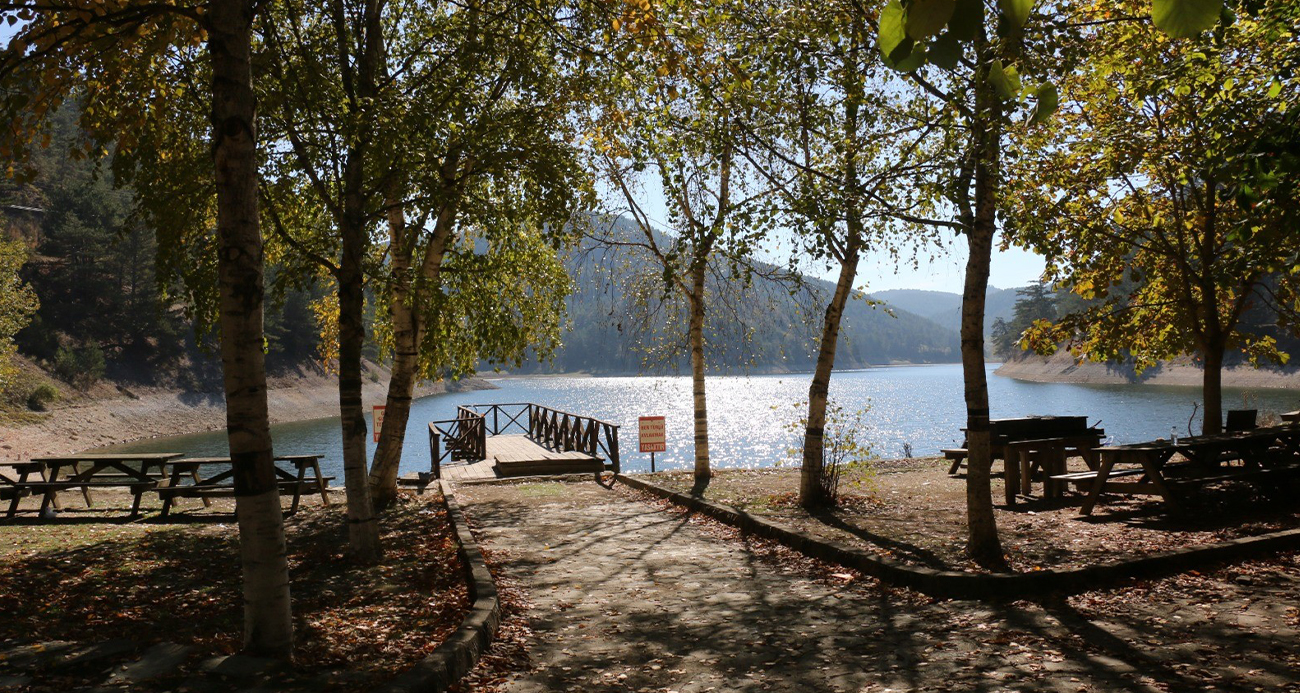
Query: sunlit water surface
pixel 750 417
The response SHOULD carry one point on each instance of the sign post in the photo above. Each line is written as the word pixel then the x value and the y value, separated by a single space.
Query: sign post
pixel 652 437
pixel 378 420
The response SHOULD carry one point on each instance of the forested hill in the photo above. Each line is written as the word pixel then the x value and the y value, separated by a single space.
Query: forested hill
pixel 762 329
pixel 944 307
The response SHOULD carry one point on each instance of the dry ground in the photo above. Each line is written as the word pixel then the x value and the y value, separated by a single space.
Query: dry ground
pixel 913 511
pixel 613 591
pixel 92 576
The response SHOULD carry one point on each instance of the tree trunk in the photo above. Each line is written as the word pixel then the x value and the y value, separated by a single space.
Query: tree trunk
pixel 702 471
pixel 268 626
pixel 1212 390
pixel 363 531
pixel 982 542
pixel 406 344
pixel 812 493
pixel 408 331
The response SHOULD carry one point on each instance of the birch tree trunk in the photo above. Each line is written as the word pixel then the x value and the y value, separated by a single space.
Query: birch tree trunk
pixel 812 493
pixel 406 343
pixel 982 542
pixel 696 335
pixel 268 626
pixel 363 531
pixel 408 332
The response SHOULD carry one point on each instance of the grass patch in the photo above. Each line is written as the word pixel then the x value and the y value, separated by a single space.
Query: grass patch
pixel 541 490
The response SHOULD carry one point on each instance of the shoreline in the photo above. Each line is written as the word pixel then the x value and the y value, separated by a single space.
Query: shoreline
pixel 1183 372
pixel 490 376
pixel 142 414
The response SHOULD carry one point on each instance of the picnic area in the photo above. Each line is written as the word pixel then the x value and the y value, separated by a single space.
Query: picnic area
pixel 148 531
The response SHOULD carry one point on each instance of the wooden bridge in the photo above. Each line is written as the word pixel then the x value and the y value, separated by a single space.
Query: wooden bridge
pixel 487 441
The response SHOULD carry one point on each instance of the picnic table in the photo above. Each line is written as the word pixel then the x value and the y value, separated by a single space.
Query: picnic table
pixel 1029 428
pixel 1263 453
pixel 1021 457
pixel 222 484
pixel 1035 442
pixel 15 489
pixel 137 471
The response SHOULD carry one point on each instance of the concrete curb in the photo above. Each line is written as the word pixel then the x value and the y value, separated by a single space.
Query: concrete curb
pixel 455 657
pixel 961 585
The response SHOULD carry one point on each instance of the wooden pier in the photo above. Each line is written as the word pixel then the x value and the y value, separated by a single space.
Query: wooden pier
pixel 492 441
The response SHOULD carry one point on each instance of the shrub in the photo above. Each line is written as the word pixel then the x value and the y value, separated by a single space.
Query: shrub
pixel 83 366
pixel 40 398
pixel 843 451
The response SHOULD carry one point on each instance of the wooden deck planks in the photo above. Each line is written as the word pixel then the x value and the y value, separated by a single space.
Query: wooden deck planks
pixel 518 455
pixel 468 472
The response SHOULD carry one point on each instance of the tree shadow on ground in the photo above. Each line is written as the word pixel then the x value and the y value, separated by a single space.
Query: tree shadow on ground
pixel 903 550
pixel 181 582
pixel 676 603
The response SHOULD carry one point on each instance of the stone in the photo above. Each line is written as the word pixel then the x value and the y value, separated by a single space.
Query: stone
pixel 240 666
pixel 160 660
pixel 36 655
pixel 109 649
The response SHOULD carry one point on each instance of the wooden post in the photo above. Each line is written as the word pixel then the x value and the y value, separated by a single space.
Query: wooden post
pixel 435 454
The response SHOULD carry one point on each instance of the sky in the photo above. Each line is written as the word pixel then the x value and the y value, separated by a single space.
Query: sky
pixel 941 268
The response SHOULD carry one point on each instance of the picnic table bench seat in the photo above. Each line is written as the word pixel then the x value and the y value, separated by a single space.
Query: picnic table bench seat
pixel 221 484
pixel 228 490
pixel 49 488
pixel 1234 474
pixel 1083 481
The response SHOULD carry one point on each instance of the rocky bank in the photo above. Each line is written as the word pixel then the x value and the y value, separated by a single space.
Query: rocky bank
pixel 1062 368
pixel 121 414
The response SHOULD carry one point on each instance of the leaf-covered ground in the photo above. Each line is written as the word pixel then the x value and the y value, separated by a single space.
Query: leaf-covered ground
pixel 618 591
pixel 911 510
pixel 90 576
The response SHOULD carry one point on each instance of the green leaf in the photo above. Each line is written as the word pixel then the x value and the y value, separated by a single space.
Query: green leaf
pixel 909 61
pixel 1275 88
pixel 925 18
pixel 945 51
pixel 891 35
pixel 1048 100
pixel 1185 18
pixel 1017 10
pixel 1004 80
pixel 967 18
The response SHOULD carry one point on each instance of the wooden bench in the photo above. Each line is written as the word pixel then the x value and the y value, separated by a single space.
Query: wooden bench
pixel 221 485
pixel 49 488
pixel 1083 481
pixel 1239 474
pixel 228 490
pixel 957 455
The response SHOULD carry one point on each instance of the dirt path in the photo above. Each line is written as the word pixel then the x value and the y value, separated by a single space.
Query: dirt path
pixel 630 595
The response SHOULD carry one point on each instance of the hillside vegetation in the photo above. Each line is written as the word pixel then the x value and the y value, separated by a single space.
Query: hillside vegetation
pixel 618 326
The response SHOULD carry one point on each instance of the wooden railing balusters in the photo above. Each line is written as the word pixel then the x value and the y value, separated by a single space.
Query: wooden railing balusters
pixel 466 435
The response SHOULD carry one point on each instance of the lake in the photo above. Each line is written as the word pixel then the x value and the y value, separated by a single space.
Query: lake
pixel 750 417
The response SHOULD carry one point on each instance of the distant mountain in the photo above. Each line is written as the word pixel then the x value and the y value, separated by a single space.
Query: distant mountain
pixel 944 307
pixel 763 329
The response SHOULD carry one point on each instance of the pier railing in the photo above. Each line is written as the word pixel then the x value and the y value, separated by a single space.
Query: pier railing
pixel 465 437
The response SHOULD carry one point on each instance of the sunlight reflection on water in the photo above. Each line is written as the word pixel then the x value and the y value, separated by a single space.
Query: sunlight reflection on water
pixel 749 416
